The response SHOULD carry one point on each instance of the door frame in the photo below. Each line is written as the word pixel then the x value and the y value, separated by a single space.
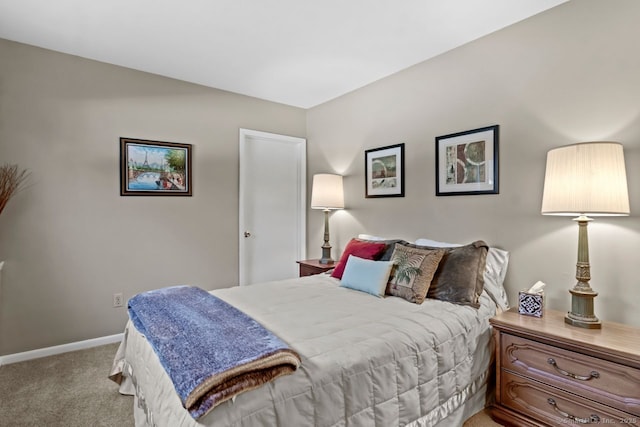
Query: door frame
pixel 301 144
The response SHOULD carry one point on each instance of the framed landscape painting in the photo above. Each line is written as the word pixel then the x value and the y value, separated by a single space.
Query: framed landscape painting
pixel 154 168
pixel 384 171
pixel 467 162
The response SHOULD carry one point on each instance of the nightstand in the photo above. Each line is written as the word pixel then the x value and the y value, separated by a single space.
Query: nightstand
pixel 309 267
pixel 549 373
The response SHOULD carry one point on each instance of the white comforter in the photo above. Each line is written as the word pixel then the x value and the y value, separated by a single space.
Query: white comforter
pixel 366 361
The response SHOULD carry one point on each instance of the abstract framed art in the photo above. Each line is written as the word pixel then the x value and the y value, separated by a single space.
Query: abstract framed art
pixel 384 171
pixel 155 168
pixel 467 162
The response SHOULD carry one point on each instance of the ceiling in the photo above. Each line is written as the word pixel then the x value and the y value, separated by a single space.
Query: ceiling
pixel 297 52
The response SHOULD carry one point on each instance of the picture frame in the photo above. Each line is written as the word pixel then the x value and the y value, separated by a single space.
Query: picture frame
pixel 467 162
pixel 155 168
pixel 384 171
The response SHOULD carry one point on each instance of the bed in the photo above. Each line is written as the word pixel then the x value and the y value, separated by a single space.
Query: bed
pixel 365 360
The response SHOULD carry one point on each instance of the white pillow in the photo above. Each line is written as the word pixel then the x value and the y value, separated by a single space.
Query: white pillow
pixel 366 275
pixel 436 244
pixel 494 274
pixel 370 237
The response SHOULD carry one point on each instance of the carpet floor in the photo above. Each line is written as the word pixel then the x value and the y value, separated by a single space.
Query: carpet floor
pixel 72 390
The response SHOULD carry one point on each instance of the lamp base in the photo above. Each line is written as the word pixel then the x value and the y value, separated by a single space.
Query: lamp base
pixel 326 254
pixel 326 247
pixel 581 314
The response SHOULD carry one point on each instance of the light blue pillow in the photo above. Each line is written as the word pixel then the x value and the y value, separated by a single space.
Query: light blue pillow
pixel 366 275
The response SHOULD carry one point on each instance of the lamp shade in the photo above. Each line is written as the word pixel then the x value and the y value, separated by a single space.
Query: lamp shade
pixel 586 178
pixel 327 192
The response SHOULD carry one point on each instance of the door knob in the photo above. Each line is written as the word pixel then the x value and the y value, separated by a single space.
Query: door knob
pixel 247 234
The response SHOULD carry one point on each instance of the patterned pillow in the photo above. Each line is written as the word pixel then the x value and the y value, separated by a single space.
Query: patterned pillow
pixel 413 271
pixel 361 249
pixel 460 275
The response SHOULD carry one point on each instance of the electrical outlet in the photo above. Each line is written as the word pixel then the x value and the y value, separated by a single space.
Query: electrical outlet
pixel 117 299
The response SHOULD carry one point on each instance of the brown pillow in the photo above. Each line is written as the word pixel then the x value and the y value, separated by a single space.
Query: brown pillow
pixel 412 272
pixel 460 275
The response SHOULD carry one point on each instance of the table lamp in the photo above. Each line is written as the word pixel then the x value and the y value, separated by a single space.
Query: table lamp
pixel 585 179
pixel 327 193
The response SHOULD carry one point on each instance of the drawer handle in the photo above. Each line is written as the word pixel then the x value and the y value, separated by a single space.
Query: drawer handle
pixel 594 374
pixel 593 419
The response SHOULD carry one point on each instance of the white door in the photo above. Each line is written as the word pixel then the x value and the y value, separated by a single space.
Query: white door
pixel 272 206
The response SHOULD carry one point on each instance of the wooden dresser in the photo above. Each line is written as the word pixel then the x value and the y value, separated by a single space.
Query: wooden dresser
pixel 549 373
pixel 310 267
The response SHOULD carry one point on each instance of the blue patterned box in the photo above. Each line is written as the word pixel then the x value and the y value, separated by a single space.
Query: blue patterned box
pixel 530 304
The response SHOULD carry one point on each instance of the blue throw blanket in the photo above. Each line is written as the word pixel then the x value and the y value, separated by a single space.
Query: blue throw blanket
pixel 210 349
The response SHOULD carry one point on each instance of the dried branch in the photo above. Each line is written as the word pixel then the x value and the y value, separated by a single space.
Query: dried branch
pixel 11 181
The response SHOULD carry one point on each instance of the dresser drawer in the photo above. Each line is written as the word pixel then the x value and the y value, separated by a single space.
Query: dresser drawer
pixel 306 270
pixel 555 407
pixel 600 380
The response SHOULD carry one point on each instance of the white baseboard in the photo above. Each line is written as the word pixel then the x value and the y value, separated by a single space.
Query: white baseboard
pixel 59 349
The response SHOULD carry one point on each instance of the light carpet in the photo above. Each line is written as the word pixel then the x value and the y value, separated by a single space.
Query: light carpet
pixel 70 390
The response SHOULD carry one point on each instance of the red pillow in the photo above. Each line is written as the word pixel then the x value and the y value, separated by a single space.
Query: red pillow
pixel 361 249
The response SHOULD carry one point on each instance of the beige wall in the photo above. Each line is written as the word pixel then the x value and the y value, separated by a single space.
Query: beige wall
pixel 70 241
pixel 570 74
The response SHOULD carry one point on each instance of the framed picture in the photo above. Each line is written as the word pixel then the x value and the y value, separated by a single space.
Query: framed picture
pixel 467 162
pixel 154 168
pixel 384 171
